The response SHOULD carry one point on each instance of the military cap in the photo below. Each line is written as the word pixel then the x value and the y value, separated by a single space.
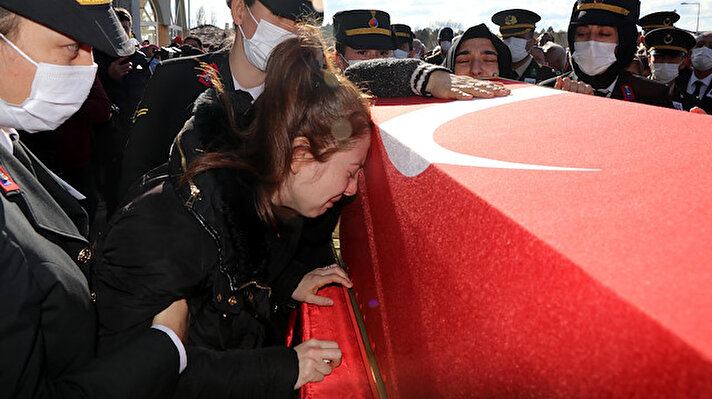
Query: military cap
pixel 605 12
pixel 660 19
pixel 296 10
pixel 403 33
pixel 93 22
pixel 364 29
pixel 669 40
pixel 446 34
pixel 515 22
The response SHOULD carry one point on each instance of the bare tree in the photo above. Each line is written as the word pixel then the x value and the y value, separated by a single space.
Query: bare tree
pixel 200 16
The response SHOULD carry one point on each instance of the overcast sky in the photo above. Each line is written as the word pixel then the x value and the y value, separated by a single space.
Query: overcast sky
pixel 424 13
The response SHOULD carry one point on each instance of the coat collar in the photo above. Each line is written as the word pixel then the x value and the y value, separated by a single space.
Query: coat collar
pixel 42 200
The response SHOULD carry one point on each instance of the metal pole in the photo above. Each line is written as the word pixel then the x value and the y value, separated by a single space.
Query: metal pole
pixel 697 30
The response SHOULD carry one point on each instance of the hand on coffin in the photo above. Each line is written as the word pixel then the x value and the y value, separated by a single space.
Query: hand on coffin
pixel 448 86
pixel 313 281
pixel 698 110
pixel 176 318
pixel 573 86
pixel 316 360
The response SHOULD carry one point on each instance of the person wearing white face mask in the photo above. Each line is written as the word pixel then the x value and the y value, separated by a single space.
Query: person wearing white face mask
pixel 47 315
pixel 517 30
pixel 362 35
pixel 438 55
pixel 404 41
pixel 668 48
pixel 698 81
pixel 602 41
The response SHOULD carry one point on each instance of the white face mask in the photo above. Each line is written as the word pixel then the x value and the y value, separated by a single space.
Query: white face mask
pixel 266 38
pixel 445 47
pixel 665 72
pixel 398 53
pixel 702 58
pixel 58 91
pixel 518 47
pixel 594 57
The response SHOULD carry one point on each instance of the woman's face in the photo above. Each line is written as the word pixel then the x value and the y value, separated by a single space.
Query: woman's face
pixel 476 58
pixel 598 33
pixel 41 44
pixel 315 186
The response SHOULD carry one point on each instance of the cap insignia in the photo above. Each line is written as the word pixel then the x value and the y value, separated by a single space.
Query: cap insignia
pixel 668 39
pixel 667 22
pixel 510 20
pixel 373 22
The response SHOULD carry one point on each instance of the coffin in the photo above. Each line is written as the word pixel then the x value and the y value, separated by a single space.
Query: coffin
pixel 545 244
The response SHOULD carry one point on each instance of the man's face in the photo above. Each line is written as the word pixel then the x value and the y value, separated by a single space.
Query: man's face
pixel 241 16
pixel 41 44
pixel 476 58
pixel 665 58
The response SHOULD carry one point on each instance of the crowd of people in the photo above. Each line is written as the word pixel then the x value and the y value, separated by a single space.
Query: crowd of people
pixel 223 175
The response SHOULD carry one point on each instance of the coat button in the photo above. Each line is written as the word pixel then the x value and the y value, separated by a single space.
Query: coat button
pixel 219 298
pixel 232 301
pixel 84 256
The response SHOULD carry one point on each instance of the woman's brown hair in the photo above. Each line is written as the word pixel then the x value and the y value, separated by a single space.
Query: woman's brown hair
pixel 8 21
pixel 304 96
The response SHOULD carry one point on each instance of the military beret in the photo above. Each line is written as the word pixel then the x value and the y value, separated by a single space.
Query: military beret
pixel 515 22
pixel 364 29
pixel 669 40
pixel 93 22
pixel 660 19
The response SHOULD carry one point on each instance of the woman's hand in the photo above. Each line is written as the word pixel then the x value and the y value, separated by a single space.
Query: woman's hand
pixel 698 110
pixel 573 86
pixel 176 318
pixel 315 280
pixel 445 85
pixel 316 360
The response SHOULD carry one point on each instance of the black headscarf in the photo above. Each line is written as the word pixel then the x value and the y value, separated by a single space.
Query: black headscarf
pixel 627 40
pixel 504 56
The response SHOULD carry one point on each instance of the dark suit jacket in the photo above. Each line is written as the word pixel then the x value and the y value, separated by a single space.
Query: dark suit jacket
pixel 47 320
pixel 684 79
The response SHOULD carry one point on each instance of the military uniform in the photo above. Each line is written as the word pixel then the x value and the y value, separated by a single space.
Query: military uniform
pixel 671 45
pixel 48 325
pixel 705 102
pixel 520 23
pixel 535 73
pixel 438 56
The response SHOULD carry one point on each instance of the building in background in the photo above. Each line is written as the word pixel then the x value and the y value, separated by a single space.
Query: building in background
pixel 158 21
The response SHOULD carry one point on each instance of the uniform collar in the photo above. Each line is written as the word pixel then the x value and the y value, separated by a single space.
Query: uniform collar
pixel 7 135
pixel 706 81
pixel 523 68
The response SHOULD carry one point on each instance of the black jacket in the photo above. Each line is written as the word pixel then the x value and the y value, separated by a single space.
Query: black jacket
pixel 681 84
pixel 202 240
pixel 47 320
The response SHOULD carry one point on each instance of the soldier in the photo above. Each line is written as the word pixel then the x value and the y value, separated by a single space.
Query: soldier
pixel 697 81
pixel 445 36
pixel 657 20
pixel 47 314
pixel 517 29
pixel 362 35
pixel 602 41
pixel 668 47
pixel 404 41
